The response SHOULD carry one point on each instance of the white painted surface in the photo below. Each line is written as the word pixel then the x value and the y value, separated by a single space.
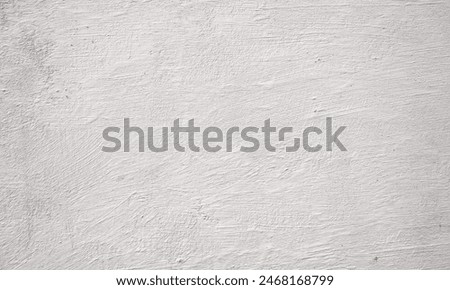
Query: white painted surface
pixel 71 68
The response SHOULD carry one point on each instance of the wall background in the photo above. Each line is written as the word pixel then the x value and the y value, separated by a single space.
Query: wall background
pixel 71 68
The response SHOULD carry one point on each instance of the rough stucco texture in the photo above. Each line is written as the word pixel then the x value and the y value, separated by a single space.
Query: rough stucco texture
pixel 71 68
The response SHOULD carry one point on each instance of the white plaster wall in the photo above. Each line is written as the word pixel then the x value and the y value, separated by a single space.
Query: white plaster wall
pixel 70 68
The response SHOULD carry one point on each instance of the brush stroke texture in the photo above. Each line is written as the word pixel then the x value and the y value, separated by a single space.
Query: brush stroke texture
pixel 68 69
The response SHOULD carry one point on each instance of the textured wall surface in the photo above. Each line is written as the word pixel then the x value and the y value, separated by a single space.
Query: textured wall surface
pixel 68 69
